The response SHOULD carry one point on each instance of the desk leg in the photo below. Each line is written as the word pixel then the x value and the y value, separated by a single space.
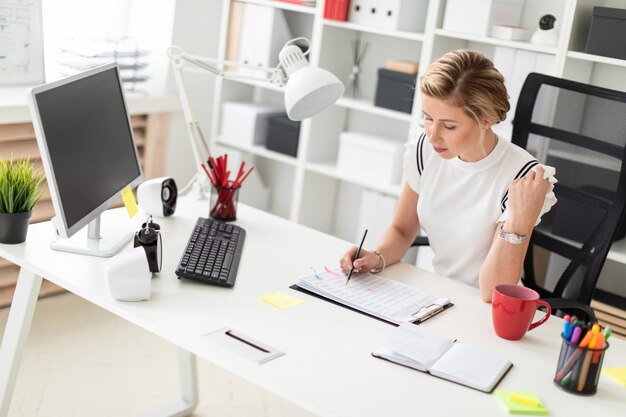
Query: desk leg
pixel 188 388
pixel 16 333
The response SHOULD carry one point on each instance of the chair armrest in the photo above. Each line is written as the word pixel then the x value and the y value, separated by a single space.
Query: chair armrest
pixel 581 311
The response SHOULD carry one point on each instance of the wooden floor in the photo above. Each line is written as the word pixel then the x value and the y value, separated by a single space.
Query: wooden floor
pixel 81 361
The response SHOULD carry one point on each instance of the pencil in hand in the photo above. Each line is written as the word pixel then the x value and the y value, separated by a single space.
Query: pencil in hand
pixel 356 256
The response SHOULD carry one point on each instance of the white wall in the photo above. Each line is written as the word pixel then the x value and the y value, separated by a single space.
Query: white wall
pixel 196 30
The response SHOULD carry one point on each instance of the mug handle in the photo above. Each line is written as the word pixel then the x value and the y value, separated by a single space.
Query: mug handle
pixel 544 319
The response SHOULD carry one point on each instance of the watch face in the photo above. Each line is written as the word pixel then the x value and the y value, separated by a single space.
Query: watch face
pixel 512 238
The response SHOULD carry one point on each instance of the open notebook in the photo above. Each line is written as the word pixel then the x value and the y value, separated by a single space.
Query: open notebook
pixel 464 364
pixel 388 300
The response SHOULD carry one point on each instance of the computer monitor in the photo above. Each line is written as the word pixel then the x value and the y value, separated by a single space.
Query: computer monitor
pixel 86 143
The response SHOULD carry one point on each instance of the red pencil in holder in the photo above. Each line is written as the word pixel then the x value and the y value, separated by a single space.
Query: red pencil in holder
pixel 224 193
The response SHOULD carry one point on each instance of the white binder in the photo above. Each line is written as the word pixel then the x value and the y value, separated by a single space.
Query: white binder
pixel 264 32
pixel 407 15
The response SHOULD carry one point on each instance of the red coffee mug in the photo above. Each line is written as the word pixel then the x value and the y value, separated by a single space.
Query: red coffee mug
pixel 513 308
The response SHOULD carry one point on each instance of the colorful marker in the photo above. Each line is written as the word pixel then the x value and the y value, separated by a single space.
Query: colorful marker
pixel 595 330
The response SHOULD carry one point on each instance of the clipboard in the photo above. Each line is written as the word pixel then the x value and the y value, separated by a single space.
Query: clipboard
pixel 432 313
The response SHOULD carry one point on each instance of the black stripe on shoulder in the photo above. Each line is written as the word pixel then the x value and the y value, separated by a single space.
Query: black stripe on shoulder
pixel 527 167
pixel 420 153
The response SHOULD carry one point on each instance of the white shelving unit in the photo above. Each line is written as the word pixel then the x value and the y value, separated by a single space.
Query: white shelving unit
pixel 309 189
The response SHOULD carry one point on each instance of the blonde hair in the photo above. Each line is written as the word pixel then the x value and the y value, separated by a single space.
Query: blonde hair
pixel 470 80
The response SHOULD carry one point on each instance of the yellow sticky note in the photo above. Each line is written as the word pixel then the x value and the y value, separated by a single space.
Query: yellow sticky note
pixel 129 201
pixel 616 374
pixel 521 402
pixel 281 300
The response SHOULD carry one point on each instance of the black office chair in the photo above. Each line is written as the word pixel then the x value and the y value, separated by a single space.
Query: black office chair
pixel 581 130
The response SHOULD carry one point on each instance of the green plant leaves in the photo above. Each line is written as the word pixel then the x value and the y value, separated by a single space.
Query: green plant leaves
pixel 20 185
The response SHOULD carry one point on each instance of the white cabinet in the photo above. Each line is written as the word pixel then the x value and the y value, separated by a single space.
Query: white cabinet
pixel 309 188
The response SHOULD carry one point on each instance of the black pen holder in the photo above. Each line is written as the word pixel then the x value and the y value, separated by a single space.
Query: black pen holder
pixel 579 368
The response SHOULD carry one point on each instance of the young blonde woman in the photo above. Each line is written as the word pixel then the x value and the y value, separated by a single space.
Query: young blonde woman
pixel 477 196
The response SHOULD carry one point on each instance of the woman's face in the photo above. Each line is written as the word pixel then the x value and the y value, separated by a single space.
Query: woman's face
pixel 450 130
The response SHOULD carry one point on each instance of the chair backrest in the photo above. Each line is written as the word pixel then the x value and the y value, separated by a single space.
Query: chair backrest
pixel 581 130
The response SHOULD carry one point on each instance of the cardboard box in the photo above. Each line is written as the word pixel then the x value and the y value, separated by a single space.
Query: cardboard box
pixel 477 17
pixel 406 15
pixel 246 123
pixel 607 33
pixel 283 135
pixel 395 90
pixel 370 158
pixel 400 65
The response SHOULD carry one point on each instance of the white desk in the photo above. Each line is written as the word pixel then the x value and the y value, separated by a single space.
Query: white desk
pixel 327 368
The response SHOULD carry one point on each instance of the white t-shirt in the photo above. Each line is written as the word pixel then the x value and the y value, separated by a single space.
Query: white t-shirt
pixel 460 203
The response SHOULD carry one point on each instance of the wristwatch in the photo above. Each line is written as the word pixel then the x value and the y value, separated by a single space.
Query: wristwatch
pixel 512 238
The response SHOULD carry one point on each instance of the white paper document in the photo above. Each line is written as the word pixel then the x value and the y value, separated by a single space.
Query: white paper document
pixel 389 300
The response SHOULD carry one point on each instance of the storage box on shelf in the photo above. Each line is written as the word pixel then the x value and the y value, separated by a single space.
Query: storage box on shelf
pixel 370 158
pixel 283 135
pixel 607 33
pixel 336 9
pixel 511 33
pixel 405 15
pixel 395 90
pixel 246 123
pixel 477 17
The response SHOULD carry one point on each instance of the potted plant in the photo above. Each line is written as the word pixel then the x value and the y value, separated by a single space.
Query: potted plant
pixel 20 190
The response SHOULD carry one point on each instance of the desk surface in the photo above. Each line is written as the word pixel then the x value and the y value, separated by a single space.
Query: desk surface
pixel 327 367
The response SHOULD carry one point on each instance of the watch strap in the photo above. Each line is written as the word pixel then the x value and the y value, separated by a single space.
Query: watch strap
pixel 511 237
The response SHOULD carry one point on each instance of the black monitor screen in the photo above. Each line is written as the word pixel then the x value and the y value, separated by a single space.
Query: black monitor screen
pixel 89 141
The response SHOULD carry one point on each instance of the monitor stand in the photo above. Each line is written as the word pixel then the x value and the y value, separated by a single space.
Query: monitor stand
pixel 89 240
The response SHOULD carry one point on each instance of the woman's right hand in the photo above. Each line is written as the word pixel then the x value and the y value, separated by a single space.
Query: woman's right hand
pixel 367 261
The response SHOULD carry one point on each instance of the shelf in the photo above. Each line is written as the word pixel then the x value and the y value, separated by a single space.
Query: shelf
pixel 618 252
pixel 498 42
pixel 366 106
pixel 330 170
pixel 281 5
pixel 596 58
pixel 412 36
pixel 259 151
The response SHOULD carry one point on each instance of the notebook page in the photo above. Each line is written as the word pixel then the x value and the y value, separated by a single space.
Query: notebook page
pixel 390 300
pixel 471 366
pixel 413 346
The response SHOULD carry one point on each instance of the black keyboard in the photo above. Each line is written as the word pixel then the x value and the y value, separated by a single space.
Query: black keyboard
pixel 212 253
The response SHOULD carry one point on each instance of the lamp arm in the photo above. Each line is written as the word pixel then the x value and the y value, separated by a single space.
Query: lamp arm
pixel 215 66
pixel 193 129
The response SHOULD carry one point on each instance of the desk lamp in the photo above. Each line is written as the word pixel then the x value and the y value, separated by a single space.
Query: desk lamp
pixel 308 90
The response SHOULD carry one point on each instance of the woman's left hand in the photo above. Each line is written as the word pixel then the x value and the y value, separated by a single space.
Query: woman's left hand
pixel 526 197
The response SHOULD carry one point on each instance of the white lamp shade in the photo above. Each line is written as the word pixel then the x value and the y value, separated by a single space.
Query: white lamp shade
pixel 309 91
